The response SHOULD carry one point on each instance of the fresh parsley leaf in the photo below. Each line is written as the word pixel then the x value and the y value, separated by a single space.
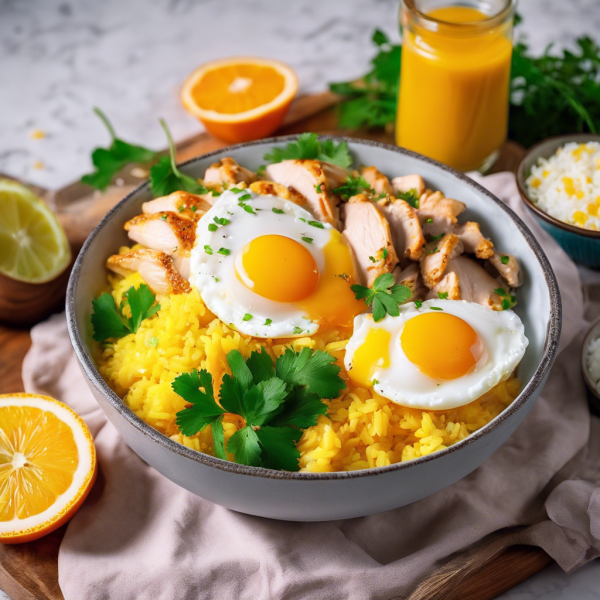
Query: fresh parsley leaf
pixel 208 249
pixel 308 146
pixel 278 211
pixel 261 366
pixel 435 308
pixel 212 227
pixel 247 317
pixel 297 330
pixel 351 187
pixel 504 259
pixel 245 197
pixel 318 188
pixel 109 321
pixel 248 208
pixel 501 292
pixel 166 178
pixel 278 447
pixel 384 296
pixel 221 221
pixel 418 303
pixel 443 295
pixel 316 224
pixel 307 240
pixel 244 446
pixel 411 197
pixel 301 409
pixel 268 321
pixel 109 161
pixel 224 251
pixel 384 253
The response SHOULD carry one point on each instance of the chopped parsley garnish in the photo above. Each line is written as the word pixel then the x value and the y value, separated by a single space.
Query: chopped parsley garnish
pixel 275 401
pixel 109 161
pixel 247 317
pixel 411 197
pixel 245 197
pixel 297 330
pixel 181 208
pixel 208 249
pixel 153 342
pixel 384 253
pixel 372 259
pixel 374 382
pixel 224 251
pixel 316 224
pixel 351 187
pixel 163 217
pixel 268 321
pixel 221 221
pixel 109 320
pixel 435 308
pixel 309 146
pixel 508 300
pixel 302 219
pixel 235 190
pixel 193 208
pixel 215 193
pixel 384 296
pixel 418 303
pixel 278 211
pixel 318 188
pixel 307 240
pixel 435 238
pixel 212 227
pixel 443 295
pixel 430 220
pixel 247 208
pixel 504 259
pixel 166 178
pixel 434 251
pixel 261 170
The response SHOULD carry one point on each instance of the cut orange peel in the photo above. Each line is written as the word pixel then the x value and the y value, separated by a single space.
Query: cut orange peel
pixel 47 466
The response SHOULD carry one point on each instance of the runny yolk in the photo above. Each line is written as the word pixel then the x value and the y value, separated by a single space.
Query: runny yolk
pixel 278 268
pixel 371 355
pixel 442 346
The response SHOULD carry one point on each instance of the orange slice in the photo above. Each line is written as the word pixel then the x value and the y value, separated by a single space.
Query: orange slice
pixel 47 466
pixel 240 99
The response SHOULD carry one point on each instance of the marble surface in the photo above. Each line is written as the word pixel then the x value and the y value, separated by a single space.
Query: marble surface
pixel 59 58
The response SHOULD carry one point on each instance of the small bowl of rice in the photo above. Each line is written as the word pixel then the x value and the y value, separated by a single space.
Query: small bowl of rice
pixel 559 181
pixel 590 363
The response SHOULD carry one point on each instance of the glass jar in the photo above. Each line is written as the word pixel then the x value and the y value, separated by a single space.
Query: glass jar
pixel 455 78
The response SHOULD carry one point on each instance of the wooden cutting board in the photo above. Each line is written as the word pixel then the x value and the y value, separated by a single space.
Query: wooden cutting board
pixel 30 571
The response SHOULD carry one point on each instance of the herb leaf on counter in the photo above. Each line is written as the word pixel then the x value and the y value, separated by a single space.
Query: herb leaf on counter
pixel 109 321
pixel 166 178
pixel 275 402
pixel 308 146
pixel 384 296
pixel 109 161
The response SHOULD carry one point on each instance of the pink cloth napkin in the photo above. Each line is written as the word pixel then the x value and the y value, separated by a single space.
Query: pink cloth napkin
pixel 139 536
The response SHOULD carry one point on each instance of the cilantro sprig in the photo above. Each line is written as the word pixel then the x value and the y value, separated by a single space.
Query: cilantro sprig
pixel 109 320
pixel 351 187
pixel 109 161
pixel 384 296
pixel 166 178
pixel 275 401
pixel 309 146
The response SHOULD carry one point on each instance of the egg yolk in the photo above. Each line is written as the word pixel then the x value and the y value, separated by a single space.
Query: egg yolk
pixel 278 268
pixel 442 346
pixel 371 355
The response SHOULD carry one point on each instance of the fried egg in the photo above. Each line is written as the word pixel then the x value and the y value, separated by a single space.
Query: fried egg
pixel 266 267
pixel 441 355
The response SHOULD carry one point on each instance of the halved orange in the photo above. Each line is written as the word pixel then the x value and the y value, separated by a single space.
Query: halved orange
pixel 240 99
pixel 47 466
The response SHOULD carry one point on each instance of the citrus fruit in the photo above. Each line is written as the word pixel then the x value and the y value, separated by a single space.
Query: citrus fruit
pixel 33 245
pixel 240 99
pixel 47 465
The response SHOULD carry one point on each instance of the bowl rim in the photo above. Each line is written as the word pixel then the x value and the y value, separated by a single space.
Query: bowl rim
pixel 536 380
pixel 587 340
pixel 589 233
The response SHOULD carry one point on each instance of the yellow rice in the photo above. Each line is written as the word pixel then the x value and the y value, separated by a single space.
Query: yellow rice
pixel 362 429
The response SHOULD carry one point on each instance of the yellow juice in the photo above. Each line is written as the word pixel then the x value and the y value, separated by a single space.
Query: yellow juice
pixel 454 85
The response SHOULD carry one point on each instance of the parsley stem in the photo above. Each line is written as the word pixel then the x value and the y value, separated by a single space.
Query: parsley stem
pixel 171 148
pixel 106 122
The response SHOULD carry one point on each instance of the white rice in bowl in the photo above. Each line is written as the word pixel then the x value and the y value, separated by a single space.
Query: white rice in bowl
pixel 593 363
pixel 566 186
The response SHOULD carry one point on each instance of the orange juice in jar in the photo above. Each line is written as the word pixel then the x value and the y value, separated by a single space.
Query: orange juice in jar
pixel 454 80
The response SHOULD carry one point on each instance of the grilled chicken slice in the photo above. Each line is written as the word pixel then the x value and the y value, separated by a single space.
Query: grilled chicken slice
pixel 155 267
pixel 189 205
pixel 369 235
pixel 411 278
pixel 165 231
pixel 314 180
pixel 377 180
pixel 507 266
pixel 476 284
pixel 228 172
pixel 407 234
pixel 436 256
pixel 473 241
pixel 270 188
pixel 437 213
pixel 407 183
pixel 449 285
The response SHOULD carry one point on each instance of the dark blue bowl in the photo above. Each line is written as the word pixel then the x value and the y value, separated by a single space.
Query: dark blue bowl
pixel 582 245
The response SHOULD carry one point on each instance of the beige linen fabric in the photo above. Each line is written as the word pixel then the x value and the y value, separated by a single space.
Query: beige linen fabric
pixel 139 536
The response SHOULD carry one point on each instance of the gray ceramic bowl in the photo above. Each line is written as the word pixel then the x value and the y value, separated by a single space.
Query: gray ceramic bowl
pixel 326 496
pixel 592 334
pixel 582 245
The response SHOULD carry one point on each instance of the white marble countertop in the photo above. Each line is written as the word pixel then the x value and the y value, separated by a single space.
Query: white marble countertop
pixel 59 58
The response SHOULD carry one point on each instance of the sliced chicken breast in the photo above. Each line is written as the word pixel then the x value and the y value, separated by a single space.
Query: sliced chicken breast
pixel 447 288
pixel 228 172
pixel 369 235
pixel 411 278
pixel 408 182
pixel 310 178
pixel 508 268
pixel 436 256
pixel 270 188
pixel 377 180
pixel 473 241
pixel 407 234
pixel 189 205
pixel 476 284
pixel 155 267
pixel 437 213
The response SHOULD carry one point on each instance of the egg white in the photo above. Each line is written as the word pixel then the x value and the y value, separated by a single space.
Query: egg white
pixel 502 333
pixel 215 275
